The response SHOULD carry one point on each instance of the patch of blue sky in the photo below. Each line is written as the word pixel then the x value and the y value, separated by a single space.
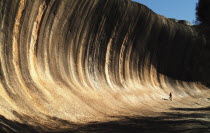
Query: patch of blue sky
pixel 177 9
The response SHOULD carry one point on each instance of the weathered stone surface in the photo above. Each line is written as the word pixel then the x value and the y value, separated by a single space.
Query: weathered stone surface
pixel 64 63
pixel 184 22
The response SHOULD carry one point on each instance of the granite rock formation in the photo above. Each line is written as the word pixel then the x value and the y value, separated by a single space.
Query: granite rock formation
pixel 69 62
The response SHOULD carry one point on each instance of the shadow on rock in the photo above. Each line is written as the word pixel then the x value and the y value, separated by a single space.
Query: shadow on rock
pixel 191 120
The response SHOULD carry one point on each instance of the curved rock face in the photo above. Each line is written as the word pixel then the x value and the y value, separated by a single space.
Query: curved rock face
pixel 77 61
pixel 181 21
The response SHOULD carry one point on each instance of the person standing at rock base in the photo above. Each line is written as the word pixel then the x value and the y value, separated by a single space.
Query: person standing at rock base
pixel 170 96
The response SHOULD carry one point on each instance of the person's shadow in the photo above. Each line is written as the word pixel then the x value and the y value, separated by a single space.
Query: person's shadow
pixel 165 99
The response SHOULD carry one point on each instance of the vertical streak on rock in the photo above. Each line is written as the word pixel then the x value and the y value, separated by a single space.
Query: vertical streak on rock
pixel 122 60
pixel 32 47
pixel 107 63
pixel 15 46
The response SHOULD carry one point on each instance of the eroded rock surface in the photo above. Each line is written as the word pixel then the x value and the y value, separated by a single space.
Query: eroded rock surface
pixel 65 63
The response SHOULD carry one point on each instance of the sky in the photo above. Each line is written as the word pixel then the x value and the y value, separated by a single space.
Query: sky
pixel 178 9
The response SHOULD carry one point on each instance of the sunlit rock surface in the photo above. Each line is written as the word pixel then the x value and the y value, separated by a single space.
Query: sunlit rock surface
pixel 98 65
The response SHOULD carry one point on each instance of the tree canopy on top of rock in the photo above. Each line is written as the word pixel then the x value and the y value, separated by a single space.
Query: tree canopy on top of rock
pixel 203 12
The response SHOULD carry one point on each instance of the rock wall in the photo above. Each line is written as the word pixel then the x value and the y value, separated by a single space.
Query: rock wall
pixel 77 61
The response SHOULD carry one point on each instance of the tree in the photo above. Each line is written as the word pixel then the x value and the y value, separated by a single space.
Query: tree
pixel 203 12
